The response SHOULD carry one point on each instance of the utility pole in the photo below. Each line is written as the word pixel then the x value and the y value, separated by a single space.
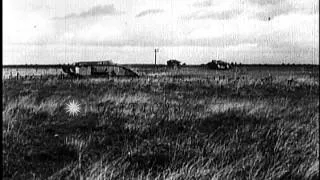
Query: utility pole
pixel 155 55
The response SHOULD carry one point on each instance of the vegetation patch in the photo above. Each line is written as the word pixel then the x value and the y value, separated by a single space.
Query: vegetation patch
pixel 184 124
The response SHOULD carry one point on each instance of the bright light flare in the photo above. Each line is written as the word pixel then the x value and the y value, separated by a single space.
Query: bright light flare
pixel 73 108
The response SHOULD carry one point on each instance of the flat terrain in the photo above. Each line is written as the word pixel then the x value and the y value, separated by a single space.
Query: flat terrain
pixel 189 123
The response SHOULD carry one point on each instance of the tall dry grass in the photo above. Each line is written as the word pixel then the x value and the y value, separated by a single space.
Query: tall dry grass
pixel 178 125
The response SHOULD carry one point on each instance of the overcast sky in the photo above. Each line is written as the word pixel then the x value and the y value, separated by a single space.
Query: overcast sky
pixel 192 31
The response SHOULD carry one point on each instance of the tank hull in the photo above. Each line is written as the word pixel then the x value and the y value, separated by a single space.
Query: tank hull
pixel 99 71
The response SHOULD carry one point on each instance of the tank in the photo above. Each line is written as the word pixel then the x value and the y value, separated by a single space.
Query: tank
pixel 219 65
pixel 98 69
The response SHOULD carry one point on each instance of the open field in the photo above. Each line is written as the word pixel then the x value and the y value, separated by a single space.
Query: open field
pixel 190 123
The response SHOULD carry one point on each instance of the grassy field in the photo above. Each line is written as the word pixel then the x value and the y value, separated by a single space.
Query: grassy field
pixel 191 123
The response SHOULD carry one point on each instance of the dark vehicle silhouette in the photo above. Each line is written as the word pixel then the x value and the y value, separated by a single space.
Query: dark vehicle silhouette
pixel 98 69
pixel 219 65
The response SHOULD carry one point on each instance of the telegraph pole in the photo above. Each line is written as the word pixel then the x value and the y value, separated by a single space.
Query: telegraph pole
pixel 155 56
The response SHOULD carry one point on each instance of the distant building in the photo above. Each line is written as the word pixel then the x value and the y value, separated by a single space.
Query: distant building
pixel 173 63
pixel 218 64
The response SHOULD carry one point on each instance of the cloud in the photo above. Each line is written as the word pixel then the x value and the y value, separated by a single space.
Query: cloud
pixel 222 15
pixel 99 10
pixel 242 46
pixel 267 2
pixel 273 12
pixel 273 8
pixel 149 11
pixel 205 3
pixel 216 10
pixel 220 24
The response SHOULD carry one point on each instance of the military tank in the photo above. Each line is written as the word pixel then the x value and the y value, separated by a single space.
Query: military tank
pixel 98 69
pixel 219 65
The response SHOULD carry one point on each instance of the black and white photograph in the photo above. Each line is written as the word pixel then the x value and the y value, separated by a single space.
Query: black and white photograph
pixel 160 89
